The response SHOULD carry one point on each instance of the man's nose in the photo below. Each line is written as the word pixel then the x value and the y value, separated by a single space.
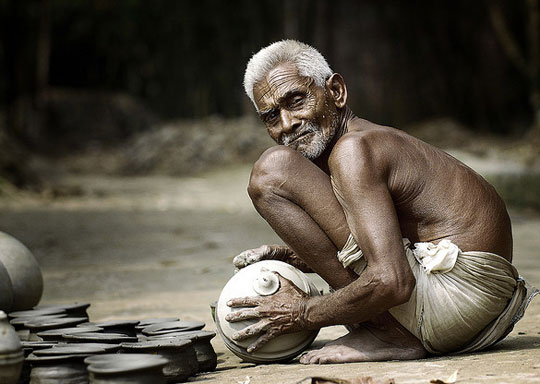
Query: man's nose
pixel 289 123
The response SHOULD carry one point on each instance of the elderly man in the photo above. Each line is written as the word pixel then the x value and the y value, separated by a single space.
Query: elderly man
pixel 350 198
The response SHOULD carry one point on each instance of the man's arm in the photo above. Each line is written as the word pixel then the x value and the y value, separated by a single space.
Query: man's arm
pixel 359 172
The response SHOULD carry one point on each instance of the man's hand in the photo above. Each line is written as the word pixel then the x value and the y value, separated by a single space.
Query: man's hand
pixel 282 312
pixel 251 256
pixel 269 252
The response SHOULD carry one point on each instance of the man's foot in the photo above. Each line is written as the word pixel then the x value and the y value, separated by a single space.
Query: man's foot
pixel 368 342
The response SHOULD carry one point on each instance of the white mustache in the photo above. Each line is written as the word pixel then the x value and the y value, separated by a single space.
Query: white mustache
pixel 306 127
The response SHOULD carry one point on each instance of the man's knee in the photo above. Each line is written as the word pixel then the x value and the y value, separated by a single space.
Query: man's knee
pixel 270 172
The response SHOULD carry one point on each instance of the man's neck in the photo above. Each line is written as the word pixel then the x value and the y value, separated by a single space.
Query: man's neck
pixel 345 117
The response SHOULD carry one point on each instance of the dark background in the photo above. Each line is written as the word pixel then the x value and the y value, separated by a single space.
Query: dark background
pixel 79 73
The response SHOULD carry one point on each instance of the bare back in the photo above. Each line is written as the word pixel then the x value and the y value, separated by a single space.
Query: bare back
pixel 438 197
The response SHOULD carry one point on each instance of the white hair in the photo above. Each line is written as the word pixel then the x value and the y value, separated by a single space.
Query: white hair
pixel 308 61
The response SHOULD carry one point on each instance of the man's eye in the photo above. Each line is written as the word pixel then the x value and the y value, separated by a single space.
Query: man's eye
pixel 297 100
pixel 270 117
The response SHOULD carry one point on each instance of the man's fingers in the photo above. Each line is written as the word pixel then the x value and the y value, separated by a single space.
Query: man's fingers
pixel 261 341
pixel 248 257
pixel 251 330
pixel 241 260
pixel 249 301
pixel 245 314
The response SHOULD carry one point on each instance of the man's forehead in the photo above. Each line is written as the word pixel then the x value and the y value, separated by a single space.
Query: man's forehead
pixel 281 79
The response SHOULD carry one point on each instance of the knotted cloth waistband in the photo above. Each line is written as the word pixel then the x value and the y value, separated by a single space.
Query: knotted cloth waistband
pixel 462 301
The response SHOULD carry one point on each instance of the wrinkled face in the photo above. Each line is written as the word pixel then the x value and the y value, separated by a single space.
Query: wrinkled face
pixel 296 112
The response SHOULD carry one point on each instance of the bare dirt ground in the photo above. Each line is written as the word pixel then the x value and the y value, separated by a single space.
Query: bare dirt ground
pixel 162 246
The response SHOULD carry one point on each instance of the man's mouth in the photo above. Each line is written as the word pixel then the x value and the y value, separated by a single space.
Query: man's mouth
pixel 300 138
pixel 296 139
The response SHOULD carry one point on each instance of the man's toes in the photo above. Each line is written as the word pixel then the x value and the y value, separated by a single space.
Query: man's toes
pixel 307 357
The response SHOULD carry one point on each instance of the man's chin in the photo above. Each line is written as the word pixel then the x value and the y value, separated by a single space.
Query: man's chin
pixel 310 152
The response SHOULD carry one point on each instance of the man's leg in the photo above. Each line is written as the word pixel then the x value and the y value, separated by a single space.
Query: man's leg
pixel 296 198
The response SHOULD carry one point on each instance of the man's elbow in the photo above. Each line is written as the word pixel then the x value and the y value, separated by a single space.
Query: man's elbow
pixel 398 289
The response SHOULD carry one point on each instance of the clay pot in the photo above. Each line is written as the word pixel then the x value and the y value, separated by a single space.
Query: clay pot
pixel 173 326
pixel 23 271
pixel 206 356
pixel 6 292
pixel 65 369
pixel 11 354
pixel 180 353
pixel 126 368
pixel 259 279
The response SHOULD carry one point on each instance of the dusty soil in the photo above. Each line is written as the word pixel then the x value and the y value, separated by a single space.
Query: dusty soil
pixel 161 246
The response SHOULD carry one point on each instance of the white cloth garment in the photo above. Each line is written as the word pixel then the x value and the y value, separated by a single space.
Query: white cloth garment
pixel 462 301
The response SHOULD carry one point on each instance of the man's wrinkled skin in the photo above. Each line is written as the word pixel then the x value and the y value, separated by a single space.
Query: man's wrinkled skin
pixel 334 175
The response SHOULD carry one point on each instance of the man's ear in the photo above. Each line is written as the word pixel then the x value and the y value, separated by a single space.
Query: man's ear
pixel 338 90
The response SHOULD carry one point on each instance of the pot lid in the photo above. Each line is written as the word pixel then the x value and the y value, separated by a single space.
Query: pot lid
pixel 69 331
pixel 101 337
pixel 192 335
pixel 176 343
pixel 42 325
pixel 146 322
pixel 172 326
pixel 37 312
pixel 34 359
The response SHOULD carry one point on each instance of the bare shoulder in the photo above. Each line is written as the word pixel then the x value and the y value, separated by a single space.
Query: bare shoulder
pixel 369 144
pixel 435 195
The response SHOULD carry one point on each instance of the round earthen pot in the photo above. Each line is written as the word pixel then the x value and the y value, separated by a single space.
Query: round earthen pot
pixel 260 279
pixel 206 356
pixel 23 271
pixel 180 353
pixel 65 369
pixel 6 291
pixel 126 368
pixel 11 353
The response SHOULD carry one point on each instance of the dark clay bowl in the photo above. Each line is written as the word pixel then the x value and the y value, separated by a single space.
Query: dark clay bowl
pixel 172 326
pixel 64 322
pixel 73 310
pixel 96 337
pixel 127 368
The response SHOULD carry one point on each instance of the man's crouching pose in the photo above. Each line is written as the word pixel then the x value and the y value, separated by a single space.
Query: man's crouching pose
pixel 416 245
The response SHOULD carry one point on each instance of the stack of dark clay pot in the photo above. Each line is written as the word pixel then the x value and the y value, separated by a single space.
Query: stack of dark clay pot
pixel 60 345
